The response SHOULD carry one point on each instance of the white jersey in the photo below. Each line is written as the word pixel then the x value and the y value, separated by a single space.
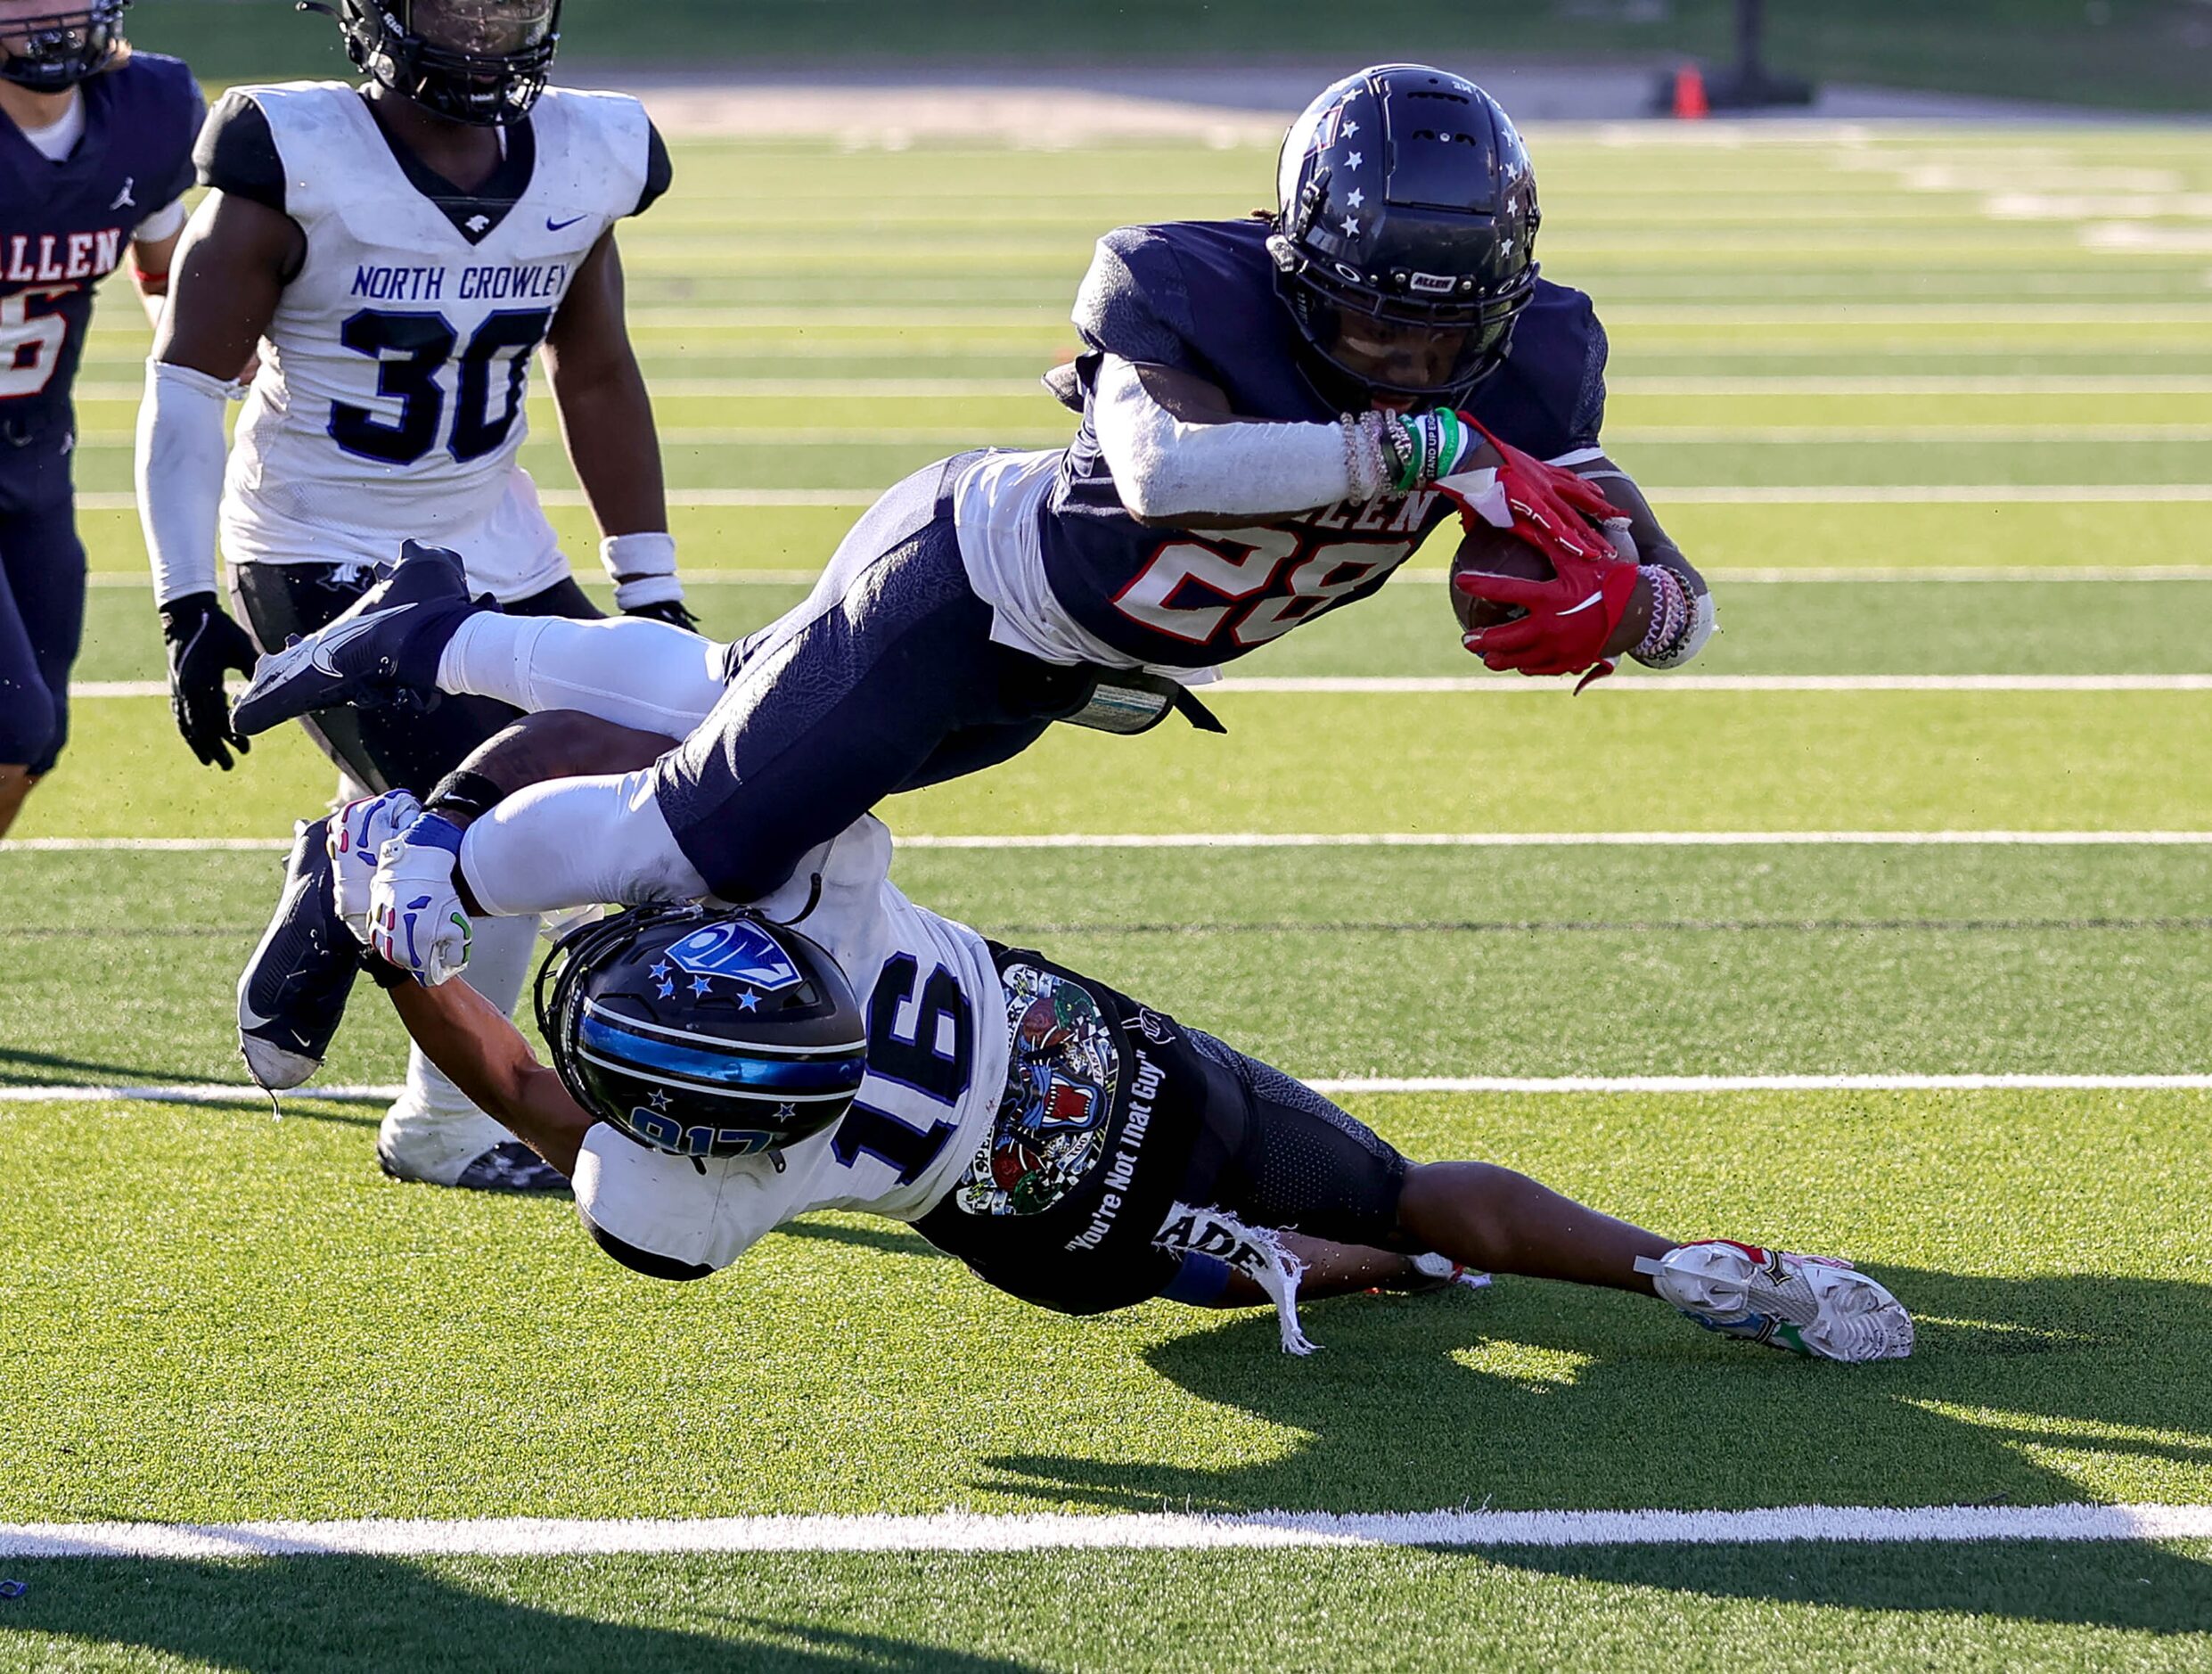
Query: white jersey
pixel 904 1146
pixel 390 400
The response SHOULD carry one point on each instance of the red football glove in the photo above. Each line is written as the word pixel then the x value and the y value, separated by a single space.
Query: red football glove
pixel 1571 617
pixel 1552 508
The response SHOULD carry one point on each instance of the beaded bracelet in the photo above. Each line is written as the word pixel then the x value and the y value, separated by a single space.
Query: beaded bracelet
pixel 1670 615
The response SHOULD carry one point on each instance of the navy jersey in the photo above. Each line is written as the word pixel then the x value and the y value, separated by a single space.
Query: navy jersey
pixel 1200 297
pixel 69 222
pixel 64 226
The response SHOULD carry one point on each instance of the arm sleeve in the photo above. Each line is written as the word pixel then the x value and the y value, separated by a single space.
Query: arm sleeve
pixel 659 171
pixel 180 473
pixel 166 222
pixel 237 153
pixel 1166 467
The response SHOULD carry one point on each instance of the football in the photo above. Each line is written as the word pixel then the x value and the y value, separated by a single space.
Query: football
pixel 1498 551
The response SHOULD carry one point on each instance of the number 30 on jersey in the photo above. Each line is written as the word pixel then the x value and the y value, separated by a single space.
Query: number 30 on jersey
pixel 412 349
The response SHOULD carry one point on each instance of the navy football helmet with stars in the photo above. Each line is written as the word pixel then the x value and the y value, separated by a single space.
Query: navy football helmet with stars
pixel 702 1034
pixel 1405 233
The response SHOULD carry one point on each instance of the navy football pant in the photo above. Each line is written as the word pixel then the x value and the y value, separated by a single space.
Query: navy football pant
pixel 886 680
pixel 385 750
pixel 42 623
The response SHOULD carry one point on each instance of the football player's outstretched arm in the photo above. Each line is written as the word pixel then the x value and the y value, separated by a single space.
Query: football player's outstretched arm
pixel 229 271
pixel 482 1053
pixel 607 421
pixel 1182 459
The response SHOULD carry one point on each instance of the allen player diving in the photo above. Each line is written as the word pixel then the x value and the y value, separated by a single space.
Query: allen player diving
pixel 1275 412
pixel 395 255
pixel 717 1073
pixel 96 156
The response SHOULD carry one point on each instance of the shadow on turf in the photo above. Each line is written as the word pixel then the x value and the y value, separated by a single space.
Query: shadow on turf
pixel 1536 1395
pixel 286 1615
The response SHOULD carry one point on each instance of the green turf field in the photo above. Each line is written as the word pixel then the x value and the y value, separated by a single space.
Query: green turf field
pixel 1919 423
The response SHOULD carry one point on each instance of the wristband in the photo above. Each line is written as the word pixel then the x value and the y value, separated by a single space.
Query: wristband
pixel 635 557
pixel 434 831
pixel 464 793
pixel 628 595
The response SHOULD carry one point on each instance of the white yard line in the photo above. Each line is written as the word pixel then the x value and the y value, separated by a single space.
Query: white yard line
pixel 1493 685
pixel 975 1533
pixel 1873 575
pixel 1320 840
pixel 1657 384
pixel 1768 494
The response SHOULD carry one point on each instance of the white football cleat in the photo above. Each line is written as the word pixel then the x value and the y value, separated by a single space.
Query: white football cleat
pixel 1810 1305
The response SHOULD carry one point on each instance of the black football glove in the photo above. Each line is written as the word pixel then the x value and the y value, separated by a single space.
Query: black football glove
pixel 204 643
pixel 672 612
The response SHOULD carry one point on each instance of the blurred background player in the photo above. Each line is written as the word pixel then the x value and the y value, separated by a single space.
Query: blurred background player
pixel 1276 412
pixel 96 156
pixel 395 255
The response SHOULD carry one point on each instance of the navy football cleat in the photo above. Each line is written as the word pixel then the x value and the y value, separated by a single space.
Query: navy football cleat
pixel 382 648
pixel 294 990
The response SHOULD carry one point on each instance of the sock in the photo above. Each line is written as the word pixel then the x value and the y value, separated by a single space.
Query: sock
pixel 628 669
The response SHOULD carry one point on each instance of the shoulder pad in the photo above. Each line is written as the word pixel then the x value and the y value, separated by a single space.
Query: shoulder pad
pixel 1556 368
pixel 1134 302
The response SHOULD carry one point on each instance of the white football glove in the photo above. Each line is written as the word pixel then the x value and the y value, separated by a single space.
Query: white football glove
pixel 415 918
pixel 358 832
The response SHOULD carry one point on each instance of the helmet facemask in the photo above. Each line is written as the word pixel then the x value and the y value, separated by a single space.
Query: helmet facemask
pixel 479 61
pixel 50 49
pixel 1404 240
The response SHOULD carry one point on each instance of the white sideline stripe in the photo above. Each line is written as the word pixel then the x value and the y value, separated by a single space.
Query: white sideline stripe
pixel 215 1093
pixel 1319 840
pixel 1493 685
pixel 1784 494
pixel 969 1531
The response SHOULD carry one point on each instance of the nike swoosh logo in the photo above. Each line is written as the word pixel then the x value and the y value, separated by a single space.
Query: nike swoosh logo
pixel 553 225
pixel 331 639
pixel 1574 610
pixel 250 1020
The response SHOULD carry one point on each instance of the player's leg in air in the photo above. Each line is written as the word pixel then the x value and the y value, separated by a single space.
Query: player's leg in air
pixel 887 678
pixel 406 247
pixel 108 177
pixel 1262 441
